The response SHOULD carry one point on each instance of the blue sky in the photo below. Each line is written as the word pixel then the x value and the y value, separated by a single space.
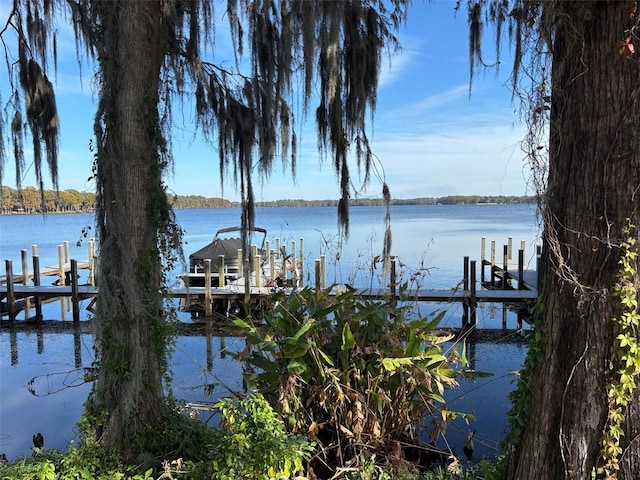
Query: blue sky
pixel 432 139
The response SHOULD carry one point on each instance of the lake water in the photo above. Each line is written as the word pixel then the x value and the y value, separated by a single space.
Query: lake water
pixel 41 381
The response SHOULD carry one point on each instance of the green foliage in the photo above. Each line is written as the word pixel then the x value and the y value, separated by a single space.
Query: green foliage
pixel 252 444
pixel 368 470
pixel 355 375
pixel 521 395
pixel 620 390
pixel 77 463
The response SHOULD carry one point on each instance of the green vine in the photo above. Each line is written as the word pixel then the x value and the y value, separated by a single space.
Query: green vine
pixel 620 389
pixel 521 396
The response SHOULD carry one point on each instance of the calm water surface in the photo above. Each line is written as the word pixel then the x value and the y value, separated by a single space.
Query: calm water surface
pixel 430 241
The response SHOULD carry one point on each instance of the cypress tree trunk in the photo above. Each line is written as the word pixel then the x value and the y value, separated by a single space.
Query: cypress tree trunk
pixel 131 207
pixel 593 188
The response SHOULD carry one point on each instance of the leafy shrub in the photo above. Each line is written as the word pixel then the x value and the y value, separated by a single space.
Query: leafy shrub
pixel 252 444
pixel 352 374
pixel 76 463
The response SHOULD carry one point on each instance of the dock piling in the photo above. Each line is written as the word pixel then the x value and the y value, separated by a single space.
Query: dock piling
pixel 465 287
pixel 36 283
pixel 294 266
pixel 25 281
pixel 323 271
pixel 257 272
pixel 207 288
pixel 75 301
pixel 11 298
pixel 505 266
pixel 221 279
pixel 393 280
pixel 473 303
pixel 521 269
pixel 301 267
pixel 483 245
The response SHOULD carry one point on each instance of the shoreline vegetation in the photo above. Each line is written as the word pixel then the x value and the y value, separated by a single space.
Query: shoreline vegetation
pixel 29 201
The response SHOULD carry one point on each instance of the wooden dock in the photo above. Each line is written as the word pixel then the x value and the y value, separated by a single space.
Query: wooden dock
pixel 510 285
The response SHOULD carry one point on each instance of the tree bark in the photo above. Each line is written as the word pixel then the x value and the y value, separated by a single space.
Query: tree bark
pixel 593 182
pixel 130 344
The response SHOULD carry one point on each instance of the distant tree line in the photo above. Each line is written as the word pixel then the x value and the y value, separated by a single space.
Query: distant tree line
pixel 367 202
pixel 29 200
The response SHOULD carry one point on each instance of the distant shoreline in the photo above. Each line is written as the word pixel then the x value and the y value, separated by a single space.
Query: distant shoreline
pixel 73 201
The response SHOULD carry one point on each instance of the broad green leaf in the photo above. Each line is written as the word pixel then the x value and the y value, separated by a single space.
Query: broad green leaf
pixel 305 328
pixel 262 362
pixel 294 351
pixel 325 357
pixel 242 324
pixel 347 337
pixel 391 364
pixel 413 345
pixel 447 372
pixel 463 355
pixel 476 374
pixel 436 397
pixel 296 366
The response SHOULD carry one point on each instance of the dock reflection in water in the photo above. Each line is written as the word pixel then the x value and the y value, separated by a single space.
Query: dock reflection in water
pixel 45 380
pixel 45 376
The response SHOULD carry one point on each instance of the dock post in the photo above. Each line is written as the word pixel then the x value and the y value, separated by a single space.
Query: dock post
pixel 36 282
pixel 247 283
pixel 61 278
pixel 240 263
pixel 474 302
pixel 520 269
pixel 301 270
pixel 272 264
pixel 65 244
pixel 510 249
pixel 323 271
pixel 505 265
pixel 493 262
pixel 278 245
pixel 221 278
pixel 538 262
pixel 11 296
pixel 61 281
pixel 465 288
pixel 207 287
pixel 318 278
pixel 256 261
pixel 74 291
pixel 294 266
pixel 393 280
pixel 92 261
pixel 25 281
pixel 483 246
pixel 317 275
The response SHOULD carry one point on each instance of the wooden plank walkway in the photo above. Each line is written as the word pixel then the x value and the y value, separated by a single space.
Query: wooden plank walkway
pixel 422 295
pixel 44 272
